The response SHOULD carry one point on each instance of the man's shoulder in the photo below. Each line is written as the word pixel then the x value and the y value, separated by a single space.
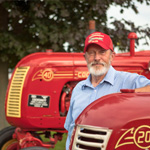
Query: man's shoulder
pixel 117 74
pixel 124 75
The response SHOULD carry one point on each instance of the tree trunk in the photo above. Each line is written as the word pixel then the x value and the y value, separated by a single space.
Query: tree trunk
pixel 3 87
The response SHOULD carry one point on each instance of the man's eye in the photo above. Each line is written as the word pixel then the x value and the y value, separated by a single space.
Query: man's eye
pixel 102 52
pixel 91 53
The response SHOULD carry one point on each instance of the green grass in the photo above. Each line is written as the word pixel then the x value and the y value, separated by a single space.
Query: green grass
pixel 60 145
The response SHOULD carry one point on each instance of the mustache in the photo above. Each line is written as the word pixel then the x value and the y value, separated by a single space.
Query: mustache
pixel 97 63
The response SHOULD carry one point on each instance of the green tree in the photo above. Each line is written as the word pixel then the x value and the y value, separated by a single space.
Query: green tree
pixel 28 26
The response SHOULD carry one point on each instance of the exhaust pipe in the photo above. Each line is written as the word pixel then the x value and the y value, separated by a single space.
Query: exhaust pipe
pixel 91 26
pixel 132 36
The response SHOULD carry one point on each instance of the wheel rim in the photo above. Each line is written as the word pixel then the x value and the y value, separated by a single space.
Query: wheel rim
pixel 10 145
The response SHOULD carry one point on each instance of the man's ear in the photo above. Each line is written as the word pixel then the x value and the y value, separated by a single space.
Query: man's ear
pixel 113 56
pixel 84 55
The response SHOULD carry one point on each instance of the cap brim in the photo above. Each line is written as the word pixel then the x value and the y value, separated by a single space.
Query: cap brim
pixel 99 44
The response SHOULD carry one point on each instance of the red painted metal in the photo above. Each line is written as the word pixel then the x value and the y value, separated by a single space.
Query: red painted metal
pixel 120 112
pixel 54 75
pixel 11 146
pixel 127 90
pixel 65 98
pixel 132 36
pixel 49 50
pixel 66 68
pixel 28 140
pixel 63 102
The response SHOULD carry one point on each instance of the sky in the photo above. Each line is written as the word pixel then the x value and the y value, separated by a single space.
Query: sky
pixel 140 19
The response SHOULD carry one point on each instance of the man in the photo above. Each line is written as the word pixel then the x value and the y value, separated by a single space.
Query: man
pixel 103 78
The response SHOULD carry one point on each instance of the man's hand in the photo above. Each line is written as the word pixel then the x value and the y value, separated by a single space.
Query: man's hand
pixel 143 89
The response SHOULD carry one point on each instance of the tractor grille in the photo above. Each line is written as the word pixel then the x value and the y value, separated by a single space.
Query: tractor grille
pixel 91 138
pixel 15 92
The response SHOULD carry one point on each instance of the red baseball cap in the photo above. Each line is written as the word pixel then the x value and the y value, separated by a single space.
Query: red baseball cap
pixel 100 39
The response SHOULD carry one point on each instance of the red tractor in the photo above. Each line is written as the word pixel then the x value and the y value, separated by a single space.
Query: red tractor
pixel 123 123
pixel 39 91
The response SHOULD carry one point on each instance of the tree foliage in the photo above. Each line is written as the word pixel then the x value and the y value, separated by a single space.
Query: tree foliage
pixel 29 26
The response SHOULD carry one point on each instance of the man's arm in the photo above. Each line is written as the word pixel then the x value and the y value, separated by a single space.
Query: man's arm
pixel 143 89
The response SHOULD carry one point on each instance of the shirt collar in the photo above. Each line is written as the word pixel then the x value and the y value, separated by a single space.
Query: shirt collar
pixel 110 77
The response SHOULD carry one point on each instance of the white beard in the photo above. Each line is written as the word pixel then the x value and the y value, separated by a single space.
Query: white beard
pixel 98 72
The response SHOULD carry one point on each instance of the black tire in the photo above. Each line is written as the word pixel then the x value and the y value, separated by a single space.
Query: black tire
pixel 6 136
pixel 34 148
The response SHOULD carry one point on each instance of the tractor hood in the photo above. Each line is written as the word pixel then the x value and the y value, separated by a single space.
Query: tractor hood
pixel 115 110
pixel 121 119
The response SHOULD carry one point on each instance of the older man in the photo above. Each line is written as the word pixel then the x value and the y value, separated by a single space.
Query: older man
pixel 103 78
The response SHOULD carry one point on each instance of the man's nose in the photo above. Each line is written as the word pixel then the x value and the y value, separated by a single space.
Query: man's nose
pixel 97 56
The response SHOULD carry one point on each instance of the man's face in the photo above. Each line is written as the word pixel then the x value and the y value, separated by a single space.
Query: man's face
pixel 98 59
